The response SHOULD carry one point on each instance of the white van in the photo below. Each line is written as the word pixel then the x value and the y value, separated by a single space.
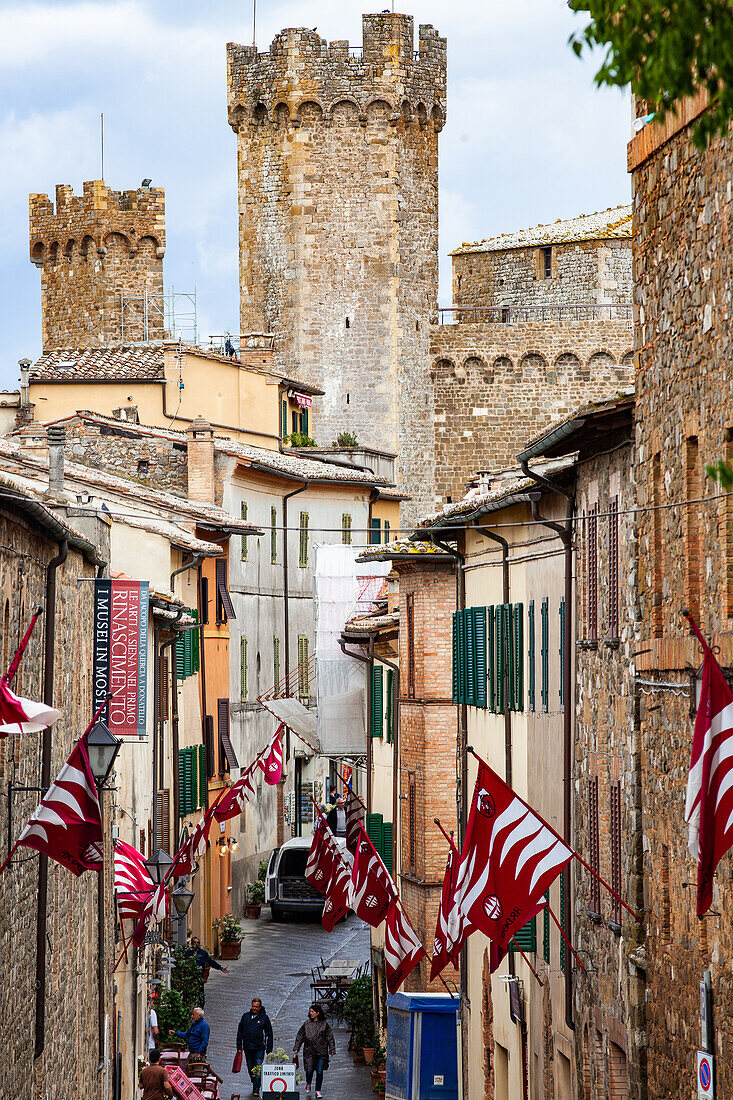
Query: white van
pixel 287 890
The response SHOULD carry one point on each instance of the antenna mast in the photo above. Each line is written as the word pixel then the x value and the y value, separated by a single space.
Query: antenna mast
pixel 254 22
pixel 101 139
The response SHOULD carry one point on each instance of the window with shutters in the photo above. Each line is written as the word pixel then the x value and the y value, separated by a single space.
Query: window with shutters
pixel 210 746
pixel 526 937
pixel 188 650
pixel 375 531
pixel 243 670
pixel 390 710
pixel 592 573
pixel 381 834
pixel 386 531
pixel 594 845
pixel 276 664
pixel 615 830
pixel 163 688
pixel 227 755
pixel 303 547
pixel 518 655
pixel 303 677
pixel 561 651
pixel 188 781
pixel 284 419
pixel 613 569
pixel 204 599
pixel 346 529
pixel 303 421
pixel 470 668
pixel 273 535
pixel 224 606
pixel 546 928
pixel 244 537
pixel 203 785
pixel 410 608
pixel 412 822
pixel 530 657
pixel 500 659
pixel 377 701
pixel 545 653
pixel 163 820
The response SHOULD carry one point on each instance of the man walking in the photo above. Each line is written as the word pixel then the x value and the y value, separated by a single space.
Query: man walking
pixel 197 1036
pixel 154 1079
pixel 254 1037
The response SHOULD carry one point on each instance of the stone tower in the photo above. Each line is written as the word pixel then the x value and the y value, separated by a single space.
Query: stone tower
pixel 338 223
pixel 94 250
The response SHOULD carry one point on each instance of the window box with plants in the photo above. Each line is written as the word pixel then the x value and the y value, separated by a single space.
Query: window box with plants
pixel 230 933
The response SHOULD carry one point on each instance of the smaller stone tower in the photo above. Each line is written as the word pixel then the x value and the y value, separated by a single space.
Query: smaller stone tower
pixel 101 260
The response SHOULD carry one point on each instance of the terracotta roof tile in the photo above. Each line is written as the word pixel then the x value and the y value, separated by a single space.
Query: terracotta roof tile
pixel 123 362
pixel 612 224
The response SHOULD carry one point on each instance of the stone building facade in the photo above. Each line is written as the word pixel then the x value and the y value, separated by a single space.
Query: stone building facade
pixel 683 265
pixel 338 222
pixel 62 1063
pixel 101 260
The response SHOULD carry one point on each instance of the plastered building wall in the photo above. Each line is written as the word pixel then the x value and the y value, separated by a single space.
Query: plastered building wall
pixel 90 248
pixel 338 218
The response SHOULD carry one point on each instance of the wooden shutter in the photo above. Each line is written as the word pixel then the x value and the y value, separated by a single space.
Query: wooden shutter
pixel 615 828
pixel 509 632
pixel 210 746
pixel 456 658
pixel 390 706
pixel 410 607
pixel 243 507
pixel 518 654
pixel 469 657
pixel 203 785
pixel 544 653
pixel 594 844
pixel 563 924
pixel 412 820
pixel 181 662
pixel 386 531
pixel 377 701
pixel 163 820
pixel 243 669
pixel 195 635
pixel 303 685
pixel 531 657
pixel 479 655
pixel 187 781
pixel 375 531
pixel 613 569
pixel 373 827
pixel 500 659
pixel 303 547
pixel 387 839
pixel 204 599
pixel 546 929
pixel 462 664
pixel 163 688
pixel 284 418
pixel 346 529
pixel 304 422
pixel 228 758
pixel 273 535
pixel 526 937
pixel 224 606
pixel 561 651
pixel 491 656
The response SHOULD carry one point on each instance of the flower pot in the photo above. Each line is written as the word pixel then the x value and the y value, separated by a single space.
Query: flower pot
pixel 378 1080
pixel 358 1057
pixel 253 911
pixel 231 950
pixel 368 1055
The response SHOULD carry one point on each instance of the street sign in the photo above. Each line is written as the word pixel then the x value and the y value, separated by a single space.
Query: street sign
pixel 705 1077
pixel 278 1077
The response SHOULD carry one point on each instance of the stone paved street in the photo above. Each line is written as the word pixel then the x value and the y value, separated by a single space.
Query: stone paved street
pixel 275 965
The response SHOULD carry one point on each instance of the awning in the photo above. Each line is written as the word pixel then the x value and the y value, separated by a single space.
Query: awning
pixel 296 717
pixel 302 399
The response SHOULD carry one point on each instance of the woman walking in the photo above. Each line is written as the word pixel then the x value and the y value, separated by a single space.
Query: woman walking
pixel 316 1038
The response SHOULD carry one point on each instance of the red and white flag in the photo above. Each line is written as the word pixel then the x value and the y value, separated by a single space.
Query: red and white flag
pixel 509 858
pixel 402 948
pixel 233 802
pixel 709 803
pixel 67 825
pixel 193 849
pixel 354 819
pixel 18 715
pixel 272 761
pixel 133 884
pixel 373 888
pixel 338 891
pixel 443 951
pixel 320 856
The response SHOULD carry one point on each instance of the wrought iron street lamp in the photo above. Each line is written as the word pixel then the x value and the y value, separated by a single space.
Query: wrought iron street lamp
pixel 102 747
pixel 158 865
pixel 182 899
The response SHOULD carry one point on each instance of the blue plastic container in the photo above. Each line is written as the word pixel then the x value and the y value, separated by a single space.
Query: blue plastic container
pixel 422 1047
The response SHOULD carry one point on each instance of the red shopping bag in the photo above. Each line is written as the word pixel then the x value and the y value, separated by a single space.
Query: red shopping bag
pixel 237 1062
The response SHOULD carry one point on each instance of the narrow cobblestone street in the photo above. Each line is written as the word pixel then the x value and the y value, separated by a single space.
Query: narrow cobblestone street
pixel 275 965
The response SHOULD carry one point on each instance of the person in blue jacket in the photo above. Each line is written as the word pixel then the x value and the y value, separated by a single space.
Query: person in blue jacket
pixel 254 1037
pixel 197 1036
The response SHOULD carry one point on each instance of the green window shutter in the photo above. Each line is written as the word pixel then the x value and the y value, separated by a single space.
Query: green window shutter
pixel 244 537
pixel 562 651
pixel 479 654
pixel 469 657
pixel 386 531
pixel 375 532
pixel 303 422
pixel 530 657
pixel 377 701
pixel 518 656
pixel 273 535
pixel 455 656
pixel 545 653
pixel 275 662
pixel 294 421
pixel 526 937
pixel 202 776
pixel 195 644
pixel 187 781
pixel 462 670
pixel 284 424
pixel 181 656
pixel 509 629
pixel 374 829
pixel 243 670
pixel 303 549
pixel 303 678
pixel 500 659
pixel 563 945
pixel 390 706
pixel 491 657
pixel 546 929
pixel 346 529
pixel 386 852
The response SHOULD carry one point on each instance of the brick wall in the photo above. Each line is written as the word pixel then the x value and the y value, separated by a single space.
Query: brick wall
pixel 427 749
pixel 496 385
pixel 684 269
pixel 338 202
pixel 89 248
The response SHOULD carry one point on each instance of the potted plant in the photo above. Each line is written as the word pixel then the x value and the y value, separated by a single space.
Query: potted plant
pixel 230 933
pixel 255 898
pixel 359 1015
pixel 368 1048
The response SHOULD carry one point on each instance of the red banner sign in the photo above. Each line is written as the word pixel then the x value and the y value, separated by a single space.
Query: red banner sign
pixel 121 653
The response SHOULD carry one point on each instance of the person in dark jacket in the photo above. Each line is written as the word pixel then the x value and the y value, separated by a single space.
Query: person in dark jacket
pixel 254 1037
pixel 203 958
pixel 337 818
pixel 197 1036
pixel 316 1038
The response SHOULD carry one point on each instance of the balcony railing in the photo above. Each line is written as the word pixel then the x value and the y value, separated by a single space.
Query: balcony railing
pixel 232 344
pixel 513 315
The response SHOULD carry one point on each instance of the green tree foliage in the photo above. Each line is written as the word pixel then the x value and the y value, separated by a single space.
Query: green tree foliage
pixel 187 979
pixel 359 1010
pixel 722 472
pixel 666 50
pixel 172 1013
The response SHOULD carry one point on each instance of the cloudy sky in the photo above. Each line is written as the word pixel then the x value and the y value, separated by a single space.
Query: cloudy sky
pixel 528 138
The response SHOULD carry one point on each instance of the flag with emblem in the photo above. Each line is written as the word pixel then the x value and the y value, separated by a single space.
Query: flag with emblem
pixel 338 891
pixel 18 715
pixel 402 948
pixel 67 824
pixel 509 859
pixel 320 856
pixel 709 802
pixel 194 848
pixel 354 819
pixel 373 889
pixel 133 884
pixel 271 761
pixel 233 802
pixel 443 952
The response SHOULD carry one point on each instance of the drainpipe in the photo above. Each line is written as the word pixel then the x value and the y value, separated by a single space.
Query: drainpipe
pixel 42 900
pixel 202 681
pixel 565 533
pixel 368 660
pixel 286 612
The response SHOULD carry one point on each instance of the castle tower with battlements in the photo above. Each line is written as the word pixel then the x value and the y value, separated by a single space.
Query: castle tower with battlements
pixel 101 260
pixel 338 223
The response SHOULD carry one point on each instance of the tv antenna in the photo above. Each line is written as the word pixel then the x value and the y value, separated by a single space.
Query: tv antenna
pixel 254 22
pixel 101 139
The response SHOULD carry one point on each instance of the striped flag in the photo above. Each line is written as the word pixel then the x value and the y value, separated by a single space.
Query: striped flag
pixel 321 856
pixel 354 820
pixel 373 888
pixel 133 884
pixel 233 802
pixel 709 802
pixel 445 952
pixel 271 760
pixel 338 891
pixel 402 948
pixel 18 715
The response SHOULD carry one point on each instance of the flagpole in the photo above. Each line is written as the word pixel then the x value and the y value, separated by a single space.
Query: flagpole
pixel 567 941
pixel 529 964
pixel 555 833
pixel 13 668
pixel 448 838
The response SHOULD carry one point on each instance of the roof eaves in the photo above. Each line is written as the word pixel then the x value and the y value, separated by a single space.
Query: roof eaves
pixel 46 519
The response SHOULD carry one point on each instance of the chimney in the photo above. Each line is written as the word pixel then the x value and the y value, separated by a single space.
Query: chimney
pixel 24 414
pixel 200 438
pixel 56 440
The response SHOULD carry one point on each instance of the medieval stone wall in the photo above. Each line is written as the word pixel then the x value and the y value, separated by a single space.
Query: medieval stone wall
pixel 497 385
pixel 90 248
pixel 683 204
pixel 338 203
pixel 67 1068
